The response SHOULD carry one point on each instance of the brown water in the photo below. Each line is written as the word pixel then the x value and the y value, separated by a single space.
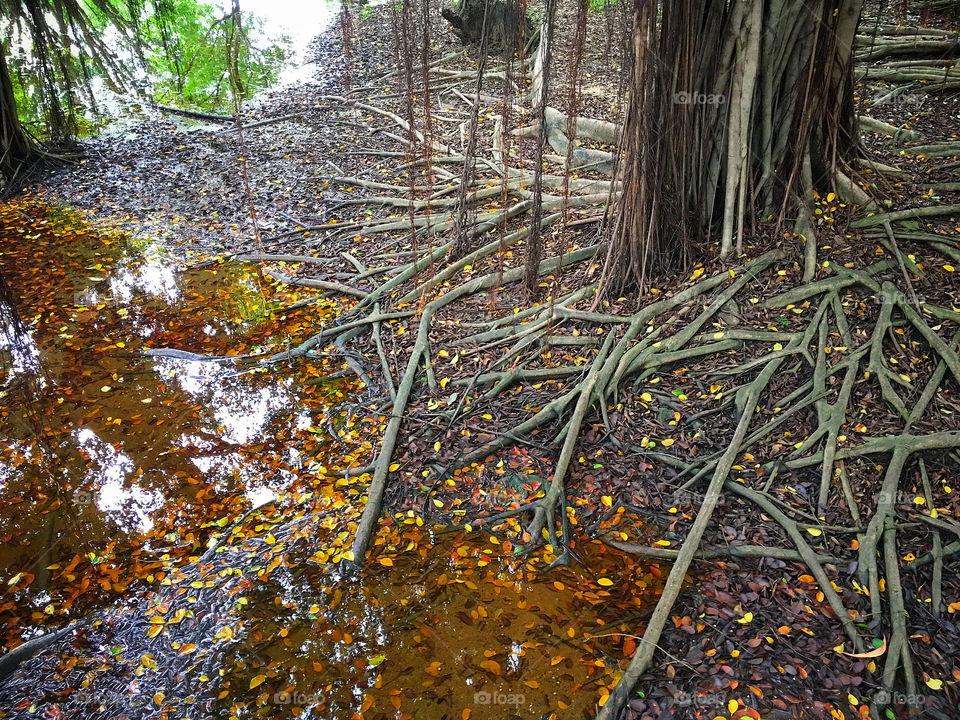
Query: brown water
pixel 116 469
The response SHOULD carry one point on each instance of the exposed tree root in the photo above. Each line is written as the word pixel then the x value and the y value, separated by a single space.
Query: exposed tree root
pixel 826 375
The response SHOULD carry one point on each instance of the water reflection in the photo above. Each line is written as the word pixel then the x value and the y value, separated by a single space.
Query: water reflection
pixel 140 446
pixel 141 501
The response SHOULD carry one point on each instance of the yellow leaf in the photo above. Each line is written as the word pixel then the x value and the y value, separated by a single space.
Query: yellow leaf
pixel 154 630
pixel 668 442
pixel 158 698
pixel 935 684
pixel 815 532
pixel 747 617
pixel 606 582
pixel 732 705
pixel 258 680
pixel 188 648
pixel 394 467
pixel 386 562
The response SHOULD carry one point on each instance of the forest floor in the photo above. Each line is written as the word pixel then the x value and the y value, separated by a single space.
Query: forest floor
pixel 759 628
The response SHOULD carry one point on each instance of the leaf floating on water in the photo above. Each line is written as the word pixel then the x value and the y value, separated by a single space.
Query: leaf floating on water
pixel 258 680
pixel 491 665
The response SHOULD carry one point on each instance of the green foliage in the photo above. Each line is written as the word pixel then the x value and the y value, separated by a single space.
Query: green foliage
pixel 601 5
pixel 186 55
pixel 180 43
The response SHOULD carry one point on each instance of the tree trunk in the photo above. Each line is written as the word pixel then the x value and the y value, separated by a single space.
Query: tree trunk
pixel 718 125
pixel 506 27
pixel 16 145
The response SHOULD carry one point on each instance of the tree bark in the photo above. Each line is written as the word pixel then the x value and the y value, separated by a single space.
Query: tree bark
pixel 17 148
pixel 506 27
pixel 718 124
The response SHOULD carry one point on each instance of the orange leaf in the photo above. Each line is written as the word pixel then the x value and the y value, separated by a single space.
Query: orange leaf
pixel 877 652
pixel 491 665
pixel 258 680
